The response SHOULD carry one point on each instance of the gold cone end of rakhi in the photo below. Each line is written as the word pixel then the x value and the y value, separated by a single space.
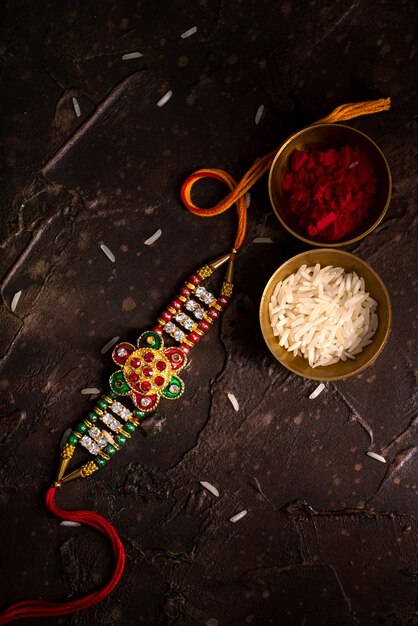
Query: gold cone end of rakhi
pixel 62 469
pixel 229 276
pixel 221 261
pixel 82 472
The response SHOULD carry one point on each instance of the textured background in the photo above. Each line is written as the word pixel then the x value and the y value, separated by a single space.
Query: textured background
pixel 330 538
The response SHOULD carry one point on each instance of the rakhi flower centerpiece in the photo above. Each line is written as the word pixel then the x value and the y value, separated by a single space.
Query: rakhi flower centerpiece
pixel 148 371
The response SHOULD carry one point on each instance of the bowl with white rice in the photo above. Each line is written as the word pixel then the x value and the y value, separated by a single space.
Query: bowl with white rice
pixel 325 314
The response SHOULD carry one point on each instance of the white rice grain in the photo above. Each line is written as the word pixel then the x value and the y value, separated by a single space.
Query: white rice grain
pixel 166 97
pixel 189 33
pixel 109 344
pixel 131 55
pixel 15 301
pixel 76 106
pixel 248 199
pixel 263 240
pixel 153 238
pixel 238 516
pixel 210 488
pixel 108 253
pixel 377 457
pixel 90 391
pixel 317 391
pixel 259 114
pixel 233 401
pixel 68 522
pixel 65 436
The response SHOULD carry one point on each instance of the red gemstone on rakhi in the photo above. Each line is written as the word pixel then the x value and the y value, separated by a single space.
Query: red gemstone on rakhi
pixel 166 316
pixel 185 348
pixel 194 279
pixel 135 363
pixel 147 371
pixel 185 291
pixel 133 377
pixel 203 325
pixel 145 386
pixel 223 301
pixel 213 314
pixel 148 357
pixel 159 381
pixel 176 304
pixel 161 365
pixel 193 337
pixel 158 330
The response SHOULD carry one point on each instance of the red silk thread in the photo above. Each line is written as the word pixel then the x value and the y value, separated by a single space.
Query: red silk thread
pixel 41 608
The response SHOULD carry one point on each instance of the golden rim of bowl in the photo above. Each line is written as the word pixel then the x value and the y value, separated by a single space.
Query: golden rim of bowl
pixel 328 244
pixel 265 319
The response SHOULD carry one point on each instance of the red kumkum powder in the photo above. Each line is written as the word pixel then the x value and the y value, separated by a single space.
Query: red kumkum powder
pixel 330 191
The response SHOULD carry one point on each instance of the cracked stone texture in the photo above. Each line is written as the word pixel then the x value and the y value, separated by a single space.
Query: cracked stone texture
pixel 330 538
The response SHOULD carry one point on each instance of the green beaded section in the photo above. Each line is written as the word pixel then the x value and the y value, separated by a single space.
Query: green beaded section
pixel 92 417
pixel 139 414
pixel 80 428
pixel 150 339
pixel 102 404
pixel 109 449
pixel 118 384
pixel 129 427
pixel 120 439
pixel 99 461
pixel 72 440
pixel 174 388
pixel 112 395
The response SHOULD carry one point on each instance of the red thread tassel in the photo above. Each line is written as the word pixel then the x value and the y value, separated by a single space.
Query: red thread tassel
pixel 40 608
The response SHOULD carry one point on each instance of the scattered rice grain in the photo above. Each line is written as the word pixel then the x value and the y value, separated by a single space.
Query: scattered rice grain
pixel 233 401
pixel 109 344
pixel 189 33
pixel 248 199
pixel 210 488
pixel 153 238
pixel 66 434
pixel 68 522
pixel 166 97
pixel 263 240
pixel 259 114
pixel 15 301
pixel 377 457
pixel 238 516
pixel 90 391
pixel 108 253
pixel 76 107
pixel 131 55
pixel 317 391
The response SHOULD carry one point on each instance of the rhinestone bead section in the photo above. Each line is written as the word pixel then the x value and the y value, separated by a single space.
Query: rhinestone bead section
pixel 192 305
pixel 174 331
pixel 185 321
pixel 111 421
pixel 89 444
pixel 204 295
pixel 120 410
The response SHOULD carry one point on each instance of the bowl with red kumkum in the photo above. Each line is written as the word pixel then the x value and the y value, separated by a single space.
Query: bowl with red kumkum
pixel 330 185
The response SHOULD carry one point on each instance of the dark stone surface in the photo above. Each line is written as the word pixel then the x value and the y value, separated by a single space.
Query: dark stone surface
pixel 330 538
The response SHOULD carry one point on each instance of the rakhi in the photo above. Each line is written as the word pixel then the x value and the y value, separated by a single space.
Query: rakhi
pixel 150 371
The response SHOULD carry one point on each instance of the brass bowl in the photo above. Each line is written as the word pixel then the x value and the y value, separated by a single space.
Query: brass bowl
pixel 324 136
pixel 374 285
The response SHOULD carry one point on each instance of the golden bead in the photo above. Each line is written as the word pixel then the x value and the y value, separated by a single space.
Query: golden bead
pixel 67 451
pixel 88 469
